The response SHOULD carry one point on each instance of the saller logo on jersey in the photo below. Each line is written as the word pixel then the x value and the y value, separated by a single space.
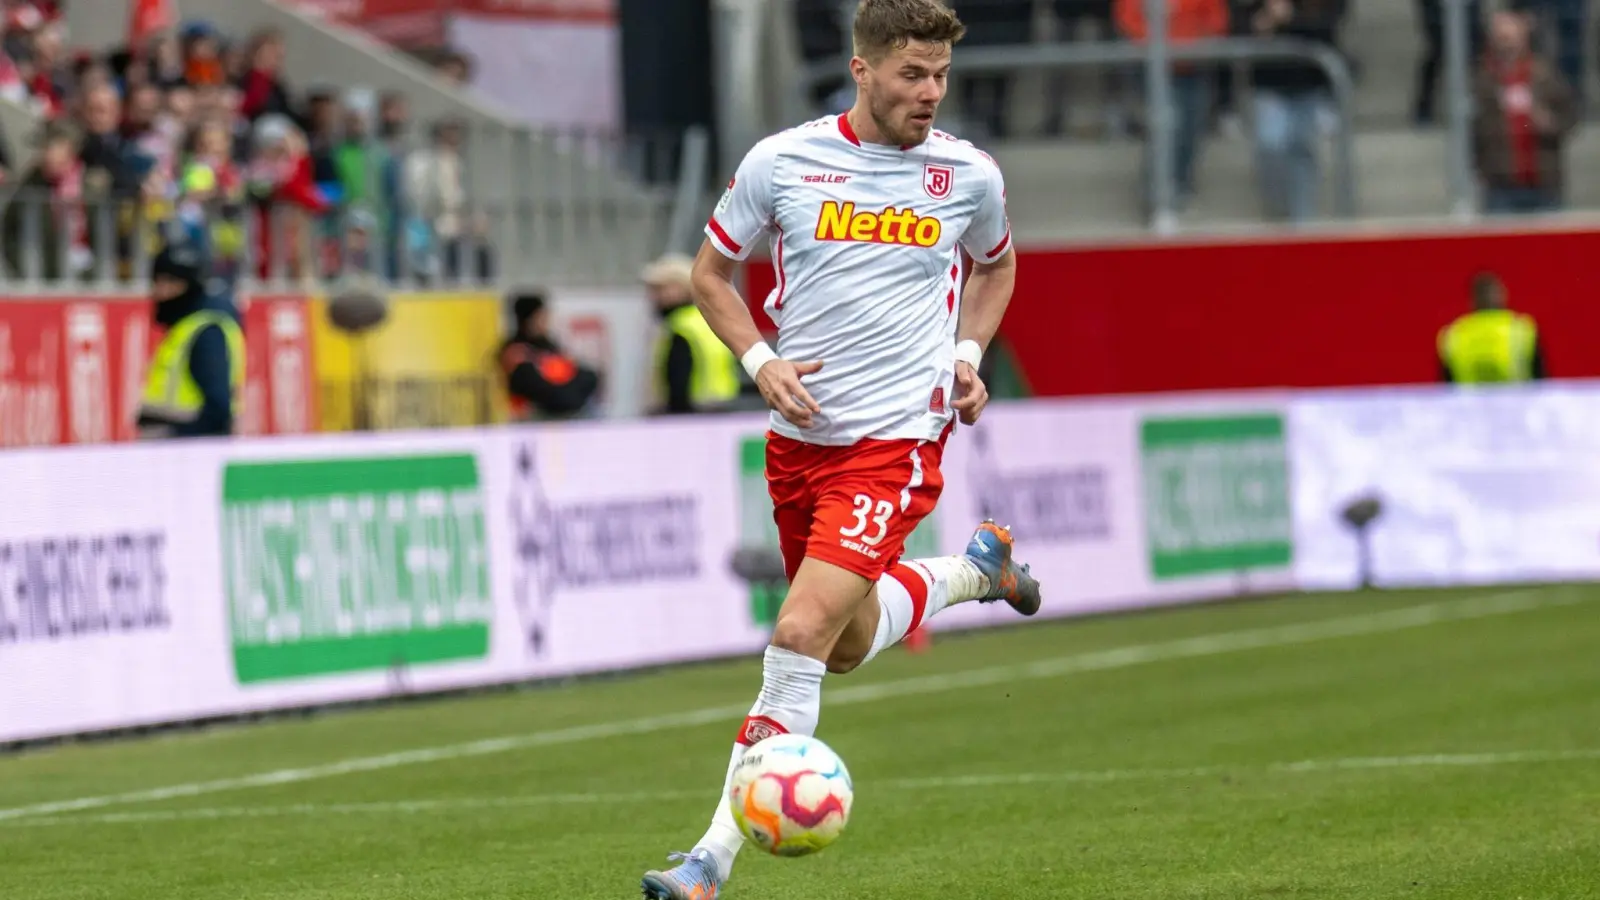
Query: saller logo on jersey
pixel 842 222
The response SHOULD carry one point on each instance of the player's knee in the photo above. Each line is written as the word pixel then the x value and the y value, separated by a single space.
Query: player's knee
pixel 842 661
pixel 807 635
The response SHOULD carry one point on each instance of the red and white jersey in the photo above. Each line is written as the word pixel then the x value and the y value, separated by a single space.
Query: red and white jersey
pixel 865 241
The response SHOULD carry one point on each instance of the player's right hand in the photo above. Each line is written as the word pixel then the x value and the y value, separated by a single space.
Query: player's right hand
pixel 779 381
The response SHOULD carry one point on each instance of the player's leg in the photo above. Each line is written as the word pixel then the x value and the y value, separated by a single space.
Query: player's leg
pixel 914 591
pixel 822 600
pixel 910 593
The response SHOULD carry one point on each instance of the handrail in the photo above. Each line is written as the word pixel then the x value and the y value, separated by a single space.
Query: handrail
pixel 1081 55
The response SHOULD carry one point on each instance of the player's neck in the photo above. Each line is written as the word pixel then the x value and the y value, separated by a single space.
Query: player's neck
pixel 866 129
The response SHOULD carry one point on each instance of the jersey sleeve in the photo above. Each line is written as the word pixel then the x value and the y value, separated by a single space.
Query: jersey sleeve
pixel 744 213
pixel 988 236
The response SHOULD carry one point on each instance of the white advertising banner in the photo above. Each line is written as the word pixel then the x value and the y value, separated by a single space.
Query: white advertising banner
pixel 1126 503
pixel 142 584
pixel 1475 486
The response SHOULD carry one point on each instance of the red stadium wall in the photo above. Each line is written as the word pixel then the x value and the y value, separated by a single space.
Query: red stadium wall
pixel 1311 312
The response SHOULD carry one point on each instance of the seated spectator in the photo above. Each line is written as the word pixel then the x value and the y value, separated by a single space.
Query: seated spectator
pixel 1291 98
pixel 1524 112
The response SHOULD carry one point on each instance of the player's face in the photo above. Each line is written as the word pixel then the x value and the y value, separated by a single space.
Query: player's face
pixel 904 90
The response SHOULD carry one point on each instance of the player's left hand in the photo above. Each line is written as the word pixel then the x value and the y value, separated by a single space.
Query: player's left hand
pixel 971 394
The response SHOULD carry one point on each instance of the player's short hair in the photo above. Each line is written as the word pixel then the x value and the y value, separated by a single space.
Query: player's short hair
pixel 882 26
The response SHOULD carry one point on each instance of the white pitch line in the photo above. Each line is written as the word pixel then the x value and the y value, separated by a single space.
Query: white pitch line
pixel 1122 657
pixel 1014 779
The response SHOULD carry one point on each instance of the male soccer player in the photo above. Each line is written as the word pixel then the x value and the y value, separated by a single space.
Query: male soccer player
pixel 867 213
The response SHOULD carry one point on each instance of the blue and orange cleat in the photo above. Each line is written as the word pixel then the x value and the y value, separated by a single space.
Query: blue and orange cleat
pixel 990 551
pixel 695 878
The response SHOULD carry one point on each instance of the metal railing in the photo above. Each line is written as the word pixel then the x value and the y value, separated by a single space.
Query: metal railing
pixel 534 206
pixel 1156 55
pixel 1406 169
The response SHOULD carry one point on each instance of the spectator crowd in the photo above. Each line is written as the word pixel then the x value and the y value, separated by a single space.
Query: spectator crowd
pixel 1527 64
pixel 199 133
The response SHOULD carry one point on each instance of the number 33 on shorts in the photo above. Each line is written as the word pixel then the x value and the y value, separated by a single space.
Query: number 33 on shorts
pixel 871 521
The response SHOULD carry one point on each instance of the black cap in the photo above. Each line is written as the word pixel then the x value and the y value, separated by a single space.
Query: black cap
pixel 177 260
pixel 527 304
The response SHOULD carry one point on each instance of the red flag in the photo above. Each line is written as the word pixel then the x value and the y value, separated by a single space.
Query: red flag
pixel 147 18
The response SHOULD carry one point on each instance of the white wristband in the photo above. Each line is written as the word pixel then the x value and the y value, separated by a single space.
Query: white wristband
pixel 969 352
pixel 756 357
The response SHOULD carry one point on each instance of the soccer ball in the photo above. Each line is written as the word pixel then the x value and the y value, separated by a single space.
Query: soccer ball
pixel 791 795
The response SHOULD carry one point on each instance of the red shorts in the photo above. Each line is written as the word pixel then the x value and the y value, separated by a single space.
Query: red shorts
pixel 851 506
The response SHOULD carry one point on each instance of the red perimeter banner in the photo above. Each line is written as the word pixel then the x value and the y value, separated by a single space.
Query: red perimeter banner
pixel 1314 311
pixel 72 368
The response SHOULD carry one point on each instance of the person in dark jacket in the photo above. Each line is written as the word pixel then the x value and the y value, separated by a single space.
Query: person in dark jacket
pixel 542 381
pixel 1524 113
pixel 196 379
pixel 1291 98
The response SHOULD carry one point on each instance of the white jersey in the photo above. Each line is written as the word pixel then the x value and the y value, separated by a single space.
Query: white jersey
pixel 865 238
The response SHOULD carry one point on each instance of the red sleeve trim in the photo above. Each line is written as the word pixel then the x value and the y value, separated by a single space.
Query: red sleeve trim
pixel 1000 247
pixel 728 242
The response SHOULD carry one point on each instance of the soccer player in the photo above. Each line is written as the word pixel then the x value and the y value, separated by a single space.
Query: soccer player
pixel 867 214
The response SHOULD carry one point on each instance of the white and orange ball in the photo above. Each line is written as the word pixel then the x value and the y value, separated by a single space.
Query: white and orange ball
pixel 791 795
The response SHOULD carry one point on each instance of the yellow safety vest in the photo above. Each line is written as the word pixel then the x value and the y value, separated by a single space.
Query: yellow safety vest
pixel 716 372
pixel 170 392
pixel 1492 346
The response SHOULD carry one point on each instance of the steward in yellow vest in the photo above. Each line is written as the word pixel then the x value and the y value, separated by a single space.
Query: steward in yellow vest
pixel 1491 344
pixel 693 370
pixel 196 379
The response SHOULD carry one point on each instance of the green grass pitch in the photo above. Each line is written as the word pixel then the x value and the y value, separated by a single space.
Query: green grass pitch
pixel 1379 745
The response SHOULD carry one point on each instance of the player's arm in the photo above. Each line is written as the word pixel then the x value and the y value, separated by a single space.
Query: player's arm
pixel 987 294
pixel 726 313
pixel 742 216
pixel 984 301
pixel 719 300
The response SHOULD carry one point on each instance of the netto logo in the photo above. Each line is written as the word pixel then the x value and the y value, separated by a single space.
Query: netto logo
pixel 591 544
pixel 842 222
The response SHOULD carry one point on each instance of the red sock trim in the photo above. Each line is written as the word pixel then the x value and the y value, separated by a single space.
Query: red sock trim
pixel 757 729
pixel 915 580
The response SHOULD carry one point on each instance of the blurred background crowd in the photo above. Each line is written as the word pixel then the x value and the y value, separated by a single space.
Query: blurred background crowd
pixel 193 127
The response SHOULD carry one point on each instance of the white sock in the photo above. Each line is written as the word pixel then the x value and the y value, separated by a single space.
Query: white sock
pixel 913 592
pixel 790 703
pixel 957 576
